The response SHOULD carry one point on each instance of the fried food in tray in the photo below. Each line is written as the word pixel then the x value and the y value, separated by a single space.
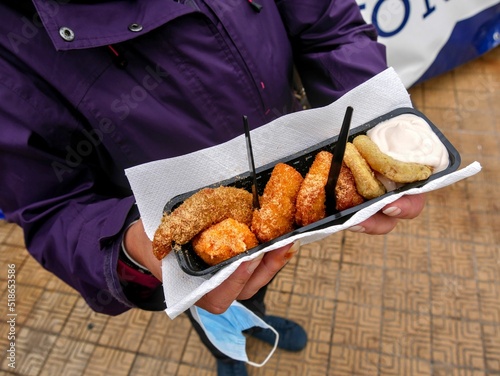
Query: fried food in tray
pixel 345 191
pixel 276 215
pixel 224 240
pixel 198 212
pixel 367 184
pixel 397 171
pixel 358 175
pixel 312 195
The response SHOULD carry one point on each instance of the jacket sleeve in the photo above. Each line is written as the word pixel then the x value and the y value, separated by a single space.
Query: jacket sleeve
pixel 70 211
pixel 334 49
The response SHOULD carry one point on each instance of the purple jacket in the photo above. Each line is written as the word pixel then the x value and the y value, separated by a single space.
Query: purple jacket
pixel 88 89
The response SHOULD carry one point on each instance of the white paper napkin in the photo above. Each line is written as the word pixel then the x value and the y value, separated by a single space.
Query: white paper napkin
pixel 155 183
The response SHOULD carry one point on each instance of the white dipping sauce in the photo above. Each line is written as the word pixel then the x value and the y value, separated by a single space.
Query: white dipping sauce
pixel 408 138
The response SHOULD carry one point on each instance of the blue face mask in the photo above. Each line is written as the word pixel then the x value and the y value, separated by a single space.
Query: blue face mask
pixel 225 330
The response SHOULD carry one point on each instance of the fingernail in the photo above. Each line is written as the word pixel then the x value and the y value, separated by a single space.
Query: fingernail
pixel 254 263
pixel 357 229
pixel 292 250
pixel 392 211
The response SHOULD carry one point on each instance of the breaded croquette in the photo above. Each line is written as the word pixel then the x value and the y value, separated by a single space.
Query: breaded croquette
pixel 223 240
pixel 311 197
pixel 276 215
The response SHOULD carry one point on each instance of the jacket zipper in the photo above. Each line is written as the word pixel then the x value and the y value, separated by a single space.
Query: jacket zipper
pixel 258 84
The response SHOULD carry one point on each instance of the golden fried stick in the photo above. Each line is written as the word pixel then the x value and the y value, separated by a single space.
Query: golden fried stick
pixel 223 241
pixel 198 212
pixel 311 197
pixel 366 183
pixel 400 172
pixel 277 211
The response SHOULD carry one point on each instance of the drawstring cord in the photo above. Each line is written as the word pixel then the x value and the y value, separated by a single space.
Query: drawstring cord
pixel 117 57
pixel 256 6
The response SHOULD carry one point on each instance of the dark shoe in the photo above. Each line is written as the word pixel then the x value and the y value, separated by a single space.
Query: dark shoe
pixel 231 368
pixel 292 336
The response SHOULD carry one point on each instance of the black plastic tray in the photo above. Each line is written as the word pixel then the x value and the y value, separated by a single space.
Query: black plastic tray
pixel 192 264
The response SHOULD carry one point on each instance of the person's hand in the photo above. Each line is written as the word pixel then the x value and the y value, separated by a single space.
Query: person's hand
pixel 383 222
pixel 140 248
pixel 246 280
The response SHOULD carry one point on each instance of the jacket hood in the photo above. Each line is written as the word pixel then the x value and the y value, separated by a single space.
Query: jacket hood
pixel 79 25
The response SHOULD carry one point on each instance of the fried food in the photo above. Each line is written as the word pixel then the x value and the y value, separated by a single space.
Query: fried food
pixel 311 197
pixel 198 212
pixel 345 191
pixel 400 172
pixel 277 205
pixel 223 241
pixel 367 184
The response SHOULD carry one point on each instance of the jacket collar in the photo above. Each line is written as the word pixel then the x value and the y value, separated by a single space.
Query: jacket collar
pixel 79 25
